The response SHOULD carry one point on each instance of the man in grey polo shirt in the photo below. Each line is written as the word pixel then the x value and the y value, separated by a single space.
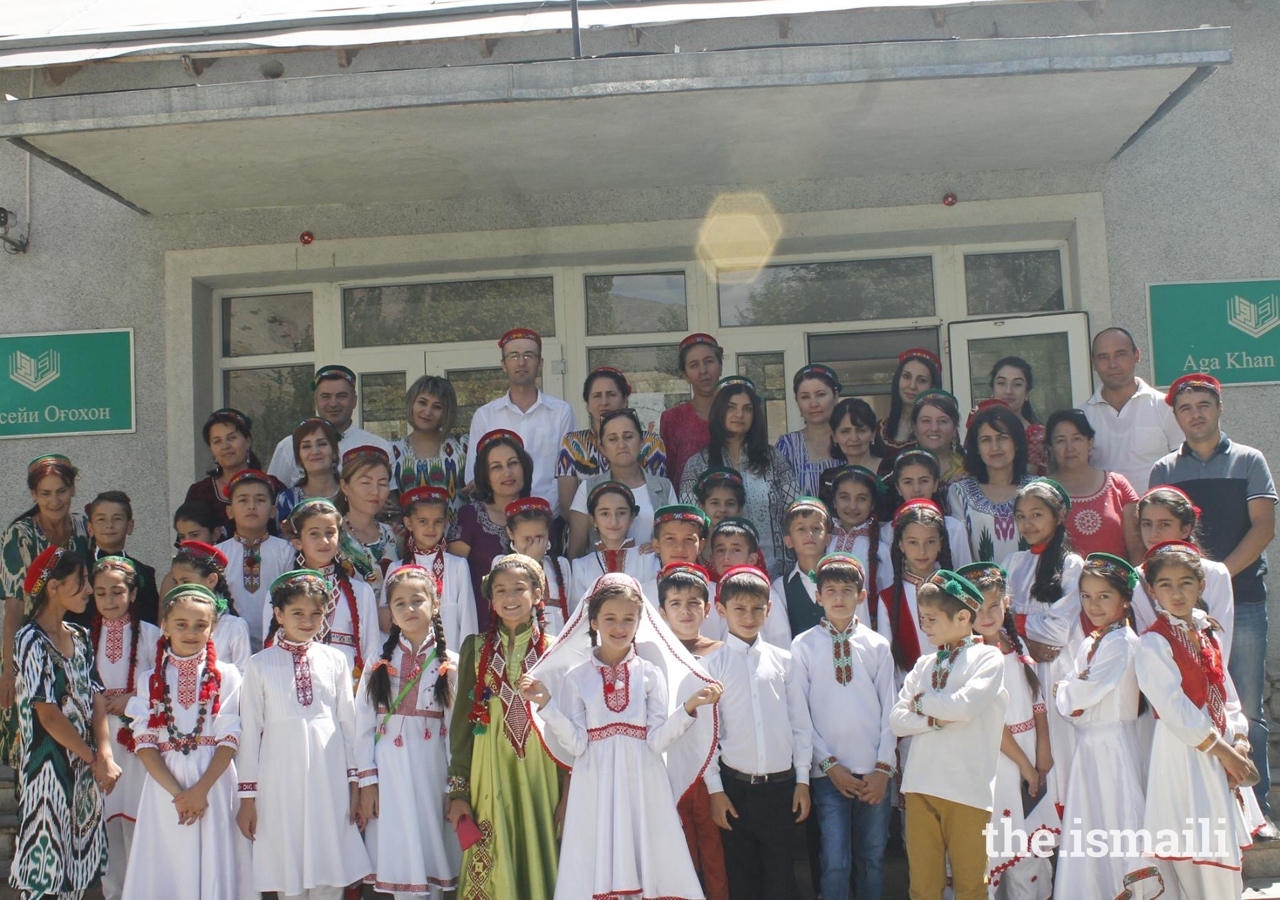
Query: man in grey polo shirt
pixel 1232 485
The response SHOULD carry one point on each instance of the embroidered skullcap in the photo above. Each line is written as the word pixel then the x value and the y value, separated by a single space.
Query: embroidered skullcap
pixel 1112 565
pixel 989 403
pixel 526 504
pixel 729 381
pixel 1196 381
pixel 918 503
pixel 1057 489
pixel 428 493
pixel 682 512
pixel 818 371
pixel 201 550
pixel 520 334
pixel 959 587
pixel 256 476
pixel 920 353
pixel 498 434
pixel 38 572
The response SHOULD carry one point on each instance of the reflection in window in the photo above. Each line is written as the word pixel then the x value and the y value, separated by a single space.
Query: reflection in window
pixel 768 372
pixel 651 371
pixel 382 407
pixel 475 388
pixel 272 323
pixel 445 312
pixel 1050 359
pixel 277 398
pixel 829 292
pixel 626 304
pixel 866 360
pixel 1023 282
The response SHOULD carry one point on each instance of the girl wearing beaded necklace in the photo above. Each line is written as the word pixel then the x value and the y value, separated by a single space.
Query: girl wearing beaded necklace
pixel 122 645
pixel 298 745
pixel 402 744
pixel 186 728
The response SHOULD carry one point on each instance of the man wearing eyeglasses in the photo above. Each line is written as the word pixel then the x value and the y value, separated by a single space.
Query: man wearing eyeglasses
pixel 540 419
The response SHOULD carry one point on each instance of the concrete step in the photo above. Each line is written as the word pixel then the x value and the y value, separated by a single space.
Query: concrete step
pixel 1263 861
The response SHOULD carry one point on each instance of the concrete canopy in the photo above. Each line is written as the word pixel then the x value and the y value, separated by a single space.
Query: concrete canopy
pixel 740 116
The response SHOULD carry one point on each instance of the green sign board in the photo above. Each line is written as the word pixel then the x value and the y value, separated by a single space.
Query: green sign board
pixel 66 382
pixel 1229 329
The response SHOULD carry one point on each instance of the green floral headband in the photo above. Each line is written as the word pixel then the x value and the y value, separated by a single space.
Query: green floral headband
pixel 218 603
pixel 1108 564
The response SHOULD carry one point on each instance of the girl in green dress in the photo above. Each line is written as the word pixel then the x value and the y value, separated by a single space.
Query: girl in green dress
pixel 502 782
pixel 66 759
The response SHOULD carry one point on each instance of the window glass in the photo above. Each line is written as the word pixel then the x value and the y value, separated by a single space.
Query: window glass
pixel 866 360
pixel 475 388
pixel 277 398
pixel 768 372
pixel 446 312
pixel 271 323
pixel 382 408
pixel 1050 359
pixel 651 371
pixel 829 292
pixel 626 304
pixel 1023 282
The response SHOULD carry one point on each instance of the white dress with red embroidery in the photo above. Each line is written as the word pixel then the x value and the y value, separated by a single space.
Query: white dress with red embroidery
pixel 112 658
pixel 457 599
pixel 232 641
pixel 297 757
pixel 622 835
pixel 342 630
pixel 186 862
pixel 407 755
pixel 1107 789
pixel 1022 876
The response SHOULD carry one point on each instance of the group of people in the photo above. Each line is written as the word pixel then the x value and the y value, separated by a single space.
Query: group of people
pixel 539 661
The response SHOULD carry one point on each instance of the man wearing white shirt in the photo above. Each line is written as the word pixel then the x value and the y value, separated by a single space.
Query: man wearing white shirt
pixel 541 420
pixel 759 786
pixel 335 400
pixel 1134 426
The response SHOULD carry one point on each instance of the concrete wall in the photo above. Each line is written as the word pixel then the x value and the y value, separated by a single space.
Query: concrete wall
pixel 1195 198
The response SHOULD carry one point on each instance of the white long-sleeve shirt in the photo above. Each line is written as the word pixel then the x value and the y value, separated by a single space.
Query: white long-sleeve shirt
pixel 1219 596
pixel 763 694
pixel 956 762
pixel 1109 692
pixel 541 427
pixel 1056 624
pixel 278 557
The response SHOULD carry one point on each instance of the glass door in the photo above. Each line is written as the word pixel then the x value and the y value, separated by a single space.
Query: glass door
pixel 1056 346
pixel 477 377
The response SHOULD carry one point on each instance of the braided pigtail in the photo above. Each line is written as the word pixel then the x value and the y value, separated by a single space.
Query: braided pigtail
pixel 379 689
pixel 1010 629
pixel 410 549
pixel 156 686
pixel 95 631
pixel 212 688
pixel 873 565
pixel 895 607
pixel 944 542
pixel 540 620
pixel 272 630
pixel 442 693
pixel 479 716
pixel 563 601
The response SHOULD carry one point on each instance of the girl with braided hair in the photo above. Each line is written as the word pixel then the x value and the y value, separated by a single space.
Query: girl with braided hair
pixel 204 564
pixel 186 728
pixel 123 646
pixel 425 513
pixel 402 749
pixel 504 788
pixel 299 800
pixel 920 547
pixel 529 523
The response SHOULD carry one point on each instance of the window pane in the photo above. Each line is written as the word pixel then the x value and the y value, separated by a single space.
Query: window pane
pixel 626 304
pixel 768 372
pixel 654 386
pixel 276 398
pixel 275 323
pixel 446 312
pixel 829 292
pixel 1050 368
pixel 382 409
pixel 475 388
pixel 866 360
pixel 1013 282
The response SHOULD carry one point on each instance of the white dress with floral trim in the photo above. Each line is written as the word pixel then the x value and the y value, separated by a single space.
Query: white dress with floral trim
pixel 112 660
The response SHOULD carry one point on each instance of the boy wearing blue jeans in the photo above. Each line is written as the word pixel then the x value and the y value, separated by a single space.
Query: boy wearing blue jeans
pixel 846 671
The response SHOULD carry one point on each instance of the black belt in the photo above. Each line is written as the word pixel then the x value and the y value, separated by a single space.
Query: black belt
pixel 770 778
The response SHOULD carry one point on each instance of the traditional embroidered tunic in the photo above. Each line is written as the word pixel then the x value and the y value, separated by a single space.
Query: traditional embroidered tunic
pixel 1218 597
pixel 909 636
pixel 957 538
pixel 453 588
pixel 405 751
pixel 445 470
pixel 252 592
pixel 990 526
pixel 231 640
pixel 643 567
pixel 487 539
pixel 341 630
pixel 791 447
pixel 505 773
pixel 297 757
pixel 857 541
pixel 113 660
pixel 192 862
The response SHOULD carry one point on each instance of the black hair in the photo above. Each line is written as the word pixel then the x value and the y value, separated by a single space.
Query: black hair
pixel 808 373
pixel 931 594
pixel 406 512
pixel 681 579
pixel 36 474
pixel 1153 565
pixel 1178 504
pixel 916 515
pixel 742 583
pixel 1003 420
pixel 603 596
pixel 733 529
pixel 702 488
pixel 286 593
pixel 894 418
pixel 756 450
pixel 858 411
pixel 609 415
pixel 827 493
pixel 199 512
pixel 483 490
pixel 305 429
pixel 1047 586
pixel 1017 362
pixel 379 688
pixel 1119 584
pixel 930 462
pixel 1074 417
pixel 205 566
pixel 117 497
pixel 241 423
pixel 619 380
pixel 842 573
pixel 70 563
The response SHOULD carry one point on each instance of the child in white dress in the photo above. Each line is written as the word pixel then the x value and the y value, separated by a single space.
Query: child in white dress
pixel 402 745
pixel 1102 702
pixel 204 564
pixel 529 531
pixel 852 494
pixel 186 727
pixel 254 557
pixel 426 519
pixel 1025 873
pixel 122 645
pixel 917 475
pixel 612 506
pixel 612 719
pixel 298 788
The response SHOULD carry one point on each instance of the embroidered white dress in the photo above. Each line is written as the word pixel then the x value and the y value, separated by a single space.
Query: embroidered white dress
pixel 1056 624
pixel 186 862
pixel 856 542
pixel 1219 598
pixel 622 835
pixel 957 538
pixel 457 600
pixel 297 757
pixel 1021 876
pixel 277 557
pixel 413 851
pixel 1106 785
pixel 586 569
pixel 120 807
pixel 345 633
pixel 232 641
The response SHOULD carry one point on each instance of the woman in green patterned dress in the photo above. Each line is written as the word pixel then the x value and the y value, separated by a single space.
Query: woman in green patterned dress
pixel 66 761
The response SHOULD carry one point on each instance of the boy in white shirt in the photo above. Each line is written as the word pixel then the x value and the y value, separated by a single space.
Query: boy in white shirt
pixel 679 533
pixel 254 557
pixel 759 785
pixel 425 514
pixel 808 528
pixel 952 703
pixel 736 542
pixel 846 671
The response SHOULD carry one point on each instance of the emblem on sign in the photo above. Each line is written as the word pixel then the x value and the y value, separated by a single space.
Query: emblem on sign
pixel 35 372
pixel 1255 319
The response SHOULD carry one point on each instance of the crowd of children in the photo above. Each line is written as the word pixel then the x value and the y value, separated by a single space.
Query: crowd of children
pixel 308 713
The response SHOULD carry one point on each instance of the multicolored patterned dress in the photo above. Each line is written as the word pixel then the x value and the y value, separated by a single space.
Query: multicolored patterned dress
pixel 62 842
pixel 445 470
